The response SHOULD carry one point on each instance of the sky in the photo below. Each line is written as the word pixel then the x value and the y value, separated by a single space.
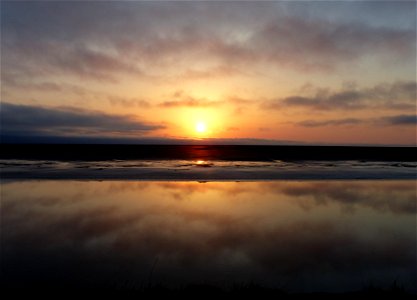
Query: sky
pixel 310 72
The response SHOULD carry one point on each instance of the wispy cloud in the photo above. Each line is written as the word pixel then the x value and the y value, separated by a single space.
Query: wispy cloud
pixel 339 122
pixel 397 95
pixel 128 102
pixel 220 71
pixel 180 98
pixel 319 44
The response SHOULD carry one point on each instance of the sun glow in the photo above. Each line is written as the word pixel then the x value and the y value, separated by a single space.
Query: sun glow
pixel 200 127
pixel 200 123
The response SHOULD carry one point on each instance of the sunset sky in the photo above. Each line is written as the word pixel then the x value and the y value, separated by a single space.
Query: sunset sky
pixel 329 72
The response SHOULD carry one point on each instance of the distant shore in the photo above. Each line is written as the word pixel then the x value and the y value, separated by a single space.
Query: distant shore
pixel 97 152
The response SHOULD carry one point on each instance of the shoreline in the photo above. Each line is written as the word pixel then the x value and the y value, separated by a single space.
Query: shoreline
pixel 98 152
pixel 209 174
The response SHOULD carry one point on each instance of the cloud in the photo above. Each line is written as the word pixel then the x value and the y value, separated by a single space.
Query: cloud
pixel 53 58
pixel 162 39
pixel 33 120
pixel 400 120
pixel 191 102
pixel 85 62
pixel 75 47
pixel 339 122
pixel 128 102
pixel 310 44
pixel 239 100
pixel 264 129
pixel 397 95
pixel 30 137
pixel 208 73
pixel 180 98
pixel 45 86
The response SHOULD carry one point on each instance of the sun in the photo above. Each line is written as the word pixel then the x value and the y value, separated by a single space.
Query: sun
pixel 200 127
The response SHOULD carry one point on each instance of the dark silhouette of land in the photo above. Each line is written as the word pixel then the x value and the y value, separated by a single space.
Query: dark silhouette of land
pixel 198 290
pixel 95 152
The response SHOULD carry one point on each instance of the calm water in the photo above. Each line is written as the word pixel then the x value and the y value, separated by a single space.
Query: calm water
pixel 301 236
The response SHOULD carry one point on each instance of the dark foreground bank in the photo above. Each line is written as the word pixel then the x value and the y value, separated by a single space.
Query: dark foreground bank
pixel 204 290
pixel 98 152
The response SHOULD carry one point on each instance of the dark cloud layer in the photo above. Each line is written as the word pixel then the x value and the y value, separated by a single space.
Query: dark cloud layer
pixel 34 120
pixel 401 120
pixel 398 95
pixel 104 40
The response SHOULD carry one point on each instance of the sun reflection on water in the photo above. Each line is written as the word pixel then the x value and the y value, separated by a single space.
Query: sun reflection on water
pixel 203 163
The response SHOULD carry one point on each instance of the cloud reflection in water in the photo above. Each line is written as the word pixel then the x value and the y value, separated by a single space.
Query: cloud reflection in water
pixel 303 236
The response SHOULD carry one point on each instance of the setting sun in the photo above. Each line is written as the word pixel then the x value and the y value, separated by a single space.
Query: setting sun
pixel 200 127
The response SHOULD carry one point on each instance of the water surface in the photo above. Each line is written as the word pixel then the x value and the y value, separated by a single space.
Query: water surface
pixel 206 169
pixel 299 236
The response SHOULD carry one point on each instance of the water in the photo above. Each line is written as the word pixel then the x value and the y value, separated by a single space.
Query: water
pixel 206 169
pixel 297 236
